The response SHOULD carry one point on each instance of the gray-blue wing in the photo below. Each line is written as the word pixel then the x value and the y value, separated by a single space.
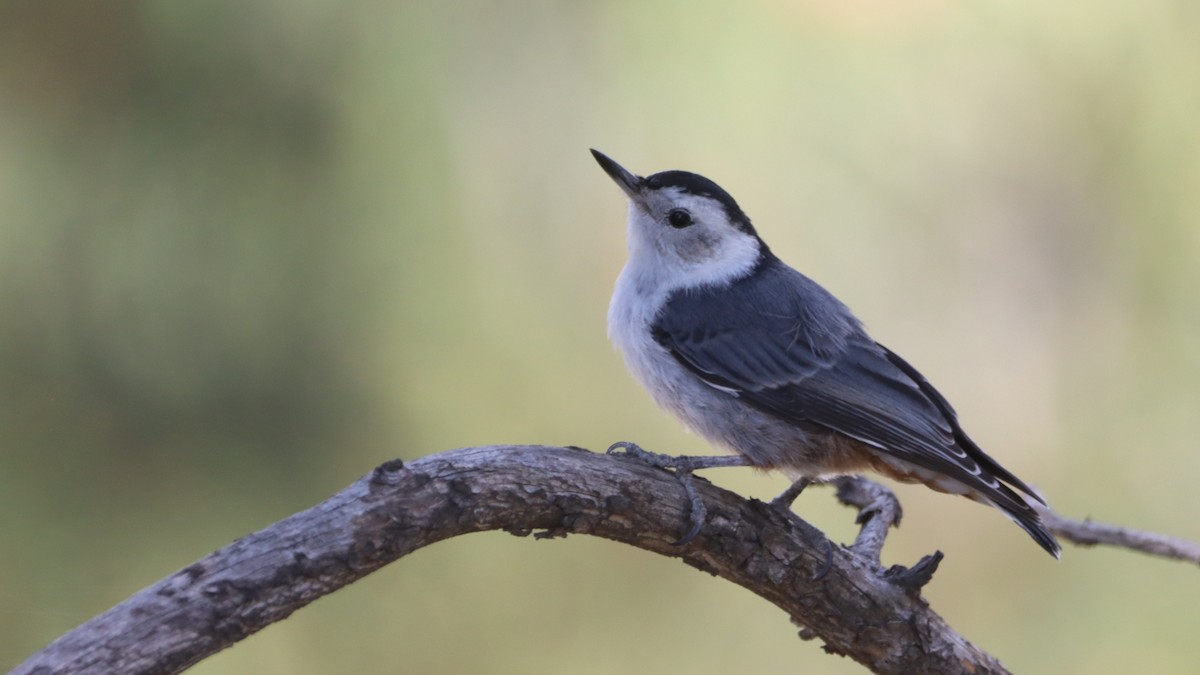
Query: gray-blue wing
pixel 789 348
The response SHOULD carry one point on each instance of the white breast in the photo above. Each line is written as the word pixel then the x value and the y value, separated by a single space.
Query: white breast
pixel 719 416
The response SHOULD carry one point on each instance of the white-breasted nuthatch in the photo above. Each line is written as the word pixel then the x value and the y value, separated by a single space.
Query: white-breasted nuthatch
pixel 764 362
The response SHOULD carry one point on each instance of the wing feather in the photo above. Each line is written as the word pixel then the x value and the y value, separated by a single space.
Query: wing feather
pixel 794 351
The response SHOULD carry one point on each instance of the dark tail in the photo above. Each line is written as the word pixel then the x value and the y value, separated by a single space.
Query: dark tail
pixel 993 486
pixel 1028 520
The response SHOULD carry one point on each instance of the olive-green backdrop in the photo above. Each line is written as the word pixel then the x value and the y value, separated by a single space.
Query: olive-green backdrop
pixel 251 249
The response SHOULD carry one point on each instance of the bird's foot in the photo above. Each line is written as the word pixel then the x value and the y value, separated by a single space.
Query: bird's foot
pixel 634 450
pixel 685 463
pixel 683 466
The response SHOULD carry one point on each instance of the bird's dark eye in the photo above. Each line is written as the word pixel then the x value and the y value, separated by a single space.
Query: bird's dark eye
pixel 679 219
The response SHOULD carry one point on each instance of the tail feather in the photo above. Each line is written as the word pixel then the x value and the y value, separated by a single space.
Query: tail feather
pixel 989 491
pixel 1027 519
pixel 1020 511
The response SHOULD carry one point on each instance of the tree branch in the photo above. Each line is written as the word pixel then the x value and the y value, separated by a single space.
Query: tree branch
pixel 1087 532
pixel 840 595
pixel 399 508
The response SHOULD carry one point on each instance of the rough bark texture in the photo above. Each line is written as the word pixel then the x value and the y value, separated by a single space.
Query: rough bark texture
pixel 856 608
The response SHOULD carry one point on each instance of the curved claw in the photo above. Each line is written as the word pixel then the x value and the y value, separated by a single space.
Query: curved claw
pixel 634 450
pixel 697 525
pixel 699 512
pixel 683 467
pixel 623 445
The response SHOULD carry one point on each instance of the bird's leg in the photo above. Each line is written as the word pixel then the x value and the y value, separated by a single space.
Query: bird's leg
pixel 784 501
pixel 683 465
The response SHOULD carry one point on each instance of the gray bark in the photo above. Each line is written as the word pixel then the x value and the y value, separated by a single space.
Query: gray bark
pixel 856 608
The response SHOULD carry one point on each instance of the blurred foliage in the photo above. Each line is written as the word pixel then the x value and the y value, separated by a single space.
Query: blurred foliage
pixel 249 250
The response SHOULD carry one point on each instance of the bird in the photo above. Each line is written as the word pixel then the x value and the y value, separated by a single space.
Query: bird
pixel 766 364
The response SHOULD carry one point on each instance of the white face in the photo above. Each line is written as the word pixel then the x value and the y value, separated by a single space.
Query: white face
pixel 680 240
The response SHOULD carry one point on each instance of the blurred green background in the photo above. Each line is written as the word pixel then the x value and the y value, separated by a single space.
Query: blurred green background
pixel 249 250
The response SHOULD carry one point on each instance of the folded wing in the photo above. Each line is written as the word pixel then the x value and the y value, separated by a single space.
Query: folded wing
pixel 792 350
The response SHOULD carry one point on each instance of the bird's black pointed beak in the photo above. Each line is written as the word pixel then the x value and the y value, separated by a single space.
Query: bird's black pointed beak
pixel 631 184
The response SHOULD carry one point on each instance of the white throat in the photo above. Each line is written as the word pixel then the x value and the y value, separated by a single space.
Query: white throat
pixel 650 276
